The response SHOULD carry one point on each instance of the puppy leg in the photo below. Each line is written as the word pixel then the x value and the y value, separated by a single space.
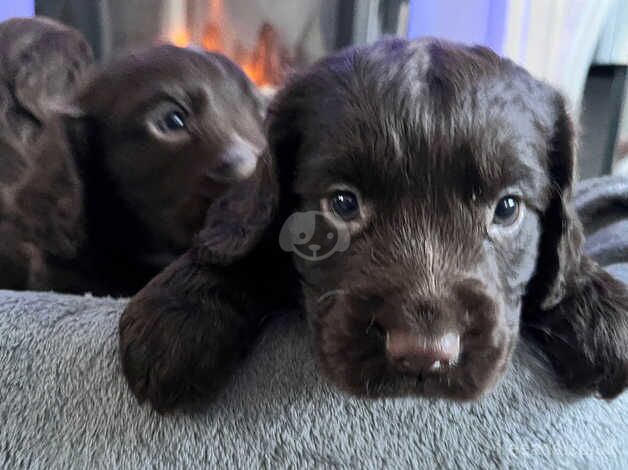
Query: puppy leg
pixel 182 334
pixel 585 336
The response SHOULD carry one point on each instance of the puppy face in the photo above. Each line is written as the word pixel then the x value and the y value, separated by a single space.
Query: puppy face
pixel 434 158
pixel 171 128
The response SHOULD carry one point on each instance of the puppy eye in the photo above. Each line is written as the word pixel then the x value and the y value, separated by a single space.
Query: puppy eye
pixel 507 210
pixel 344 204
pixel 169 122
pixel 172 121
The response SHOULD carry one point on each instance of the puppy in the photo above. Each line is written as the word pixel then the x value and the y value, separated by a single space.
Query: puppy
pixel 158 135
pixel 42 64
pixel 422 189
pixel 153 137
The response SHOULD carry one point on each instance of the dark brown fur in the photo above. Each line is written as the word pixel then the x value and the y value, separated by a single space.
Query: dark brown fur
pixel 430 134
pixel 106 200
pixel 146 197
pixel 42 63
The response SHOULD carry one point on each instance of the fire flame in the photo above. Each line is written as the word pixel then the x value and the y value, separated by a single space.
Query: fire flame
pixel 180 38
pixel 265 64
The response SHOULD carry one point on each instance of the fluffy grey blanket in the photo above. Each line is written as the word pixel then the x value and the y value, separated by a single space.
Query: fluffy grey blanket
pixel 602 204
pixel 64 403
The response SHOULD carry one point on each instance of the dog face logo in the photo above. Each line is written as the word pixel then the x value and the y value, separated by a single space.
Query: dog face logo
pixel 311 236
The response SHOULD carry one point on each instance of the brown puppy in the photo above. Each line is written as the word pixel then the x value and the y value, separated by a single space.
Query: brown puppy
pixel 423 188
pixel 118 184
pixel 159 134
pixel 42 63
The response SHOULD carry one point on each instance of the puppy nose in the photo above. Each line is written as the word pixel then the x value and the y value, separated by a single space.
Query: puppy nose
pixel 415 354
pixel 235 163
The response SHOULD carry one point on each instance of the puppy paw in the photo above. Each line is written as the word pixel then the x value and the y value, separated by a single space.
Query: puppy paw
pixel 585 337
pixel 179 346
pixel 599 368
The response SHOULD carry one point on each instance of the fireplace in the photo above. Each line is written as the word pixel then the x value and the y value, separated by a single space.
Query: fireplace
pixel 268 38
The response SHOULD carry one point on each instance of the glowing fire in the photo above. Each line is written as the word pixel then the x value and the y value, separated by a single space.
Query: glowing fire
pixel 265 64
pixel 180 38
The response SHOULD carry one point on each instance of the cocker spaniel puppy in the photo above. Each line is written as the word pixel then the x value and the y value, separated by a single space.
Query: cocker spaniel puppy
pixel 419 192
pixel 127 163
pixel 158 135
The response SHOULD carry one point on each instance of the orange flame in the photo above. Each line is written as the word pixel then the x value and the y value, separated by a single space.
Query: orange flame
pixel 180 38
pixel 265 64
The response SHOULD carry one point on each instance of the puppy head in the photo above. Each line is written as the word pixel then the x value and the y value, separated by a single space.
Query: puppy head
pixel 171 128
pixel 441 162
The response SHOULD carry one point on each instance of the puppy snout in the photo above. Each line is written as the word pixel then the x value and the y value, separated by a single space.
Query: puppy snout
pixel 415 354
pixel 235 163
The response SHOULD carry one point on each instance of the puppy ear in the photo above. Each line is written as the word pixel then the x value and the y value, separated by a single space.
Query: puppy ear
pixel 259 100
pixel 47 61
pixel 560 247
pixel 575 311
pixel 236 222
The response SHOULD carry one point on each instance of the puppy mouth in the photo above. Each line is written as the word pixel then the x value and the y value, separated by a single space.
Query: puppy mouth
pixel 230 173
pixel 356 360
pixel 453 384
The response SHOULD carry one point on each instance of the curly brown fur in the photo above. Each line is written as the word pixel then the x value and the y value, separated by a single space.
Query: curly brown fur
pixel 42 63
pixel 423 292
pixel 120 180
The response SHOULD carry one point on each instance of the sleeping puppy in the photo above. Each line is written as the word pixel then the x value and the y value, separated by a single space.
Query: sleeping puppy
pixel 158 135
pixel 42 64
pixel 422 190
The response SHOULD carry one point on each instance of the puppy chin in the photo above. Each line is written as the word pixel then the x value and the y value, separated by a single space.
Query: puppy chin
pixel 462 383
pixel 472 378
pixel 352 355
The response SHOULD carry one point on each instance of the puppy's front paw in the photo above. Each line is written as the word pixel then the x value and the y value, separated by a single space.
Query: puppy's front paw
pixel 585 337
pixel 178 347
pixel 588 365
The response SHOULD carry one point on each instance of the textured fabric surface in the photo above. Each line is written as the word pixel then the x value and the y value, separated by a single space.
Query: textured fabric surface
pixel 64 404
pixel 602 204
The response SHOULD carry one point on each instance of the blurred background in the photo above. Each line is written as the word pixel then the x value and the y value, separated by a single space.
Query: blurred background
pixel 580 46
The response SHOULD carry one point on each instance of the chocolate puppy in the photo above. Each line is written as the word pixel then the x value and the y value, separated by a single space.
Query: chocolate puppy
pixel 42 63
pixel 147 143
pixel 422 189
pixel 158 135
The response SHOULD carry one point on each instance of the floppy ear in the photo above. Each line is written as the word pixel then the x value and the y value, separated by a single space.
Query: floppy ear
pixel 560 247
pixel 47 62
pixel 259 100
pixel 238 220
pixel 574 310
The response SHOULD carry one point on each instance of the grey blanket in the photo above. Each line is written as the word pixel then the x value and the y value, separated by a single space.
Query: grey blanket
pixel 602 204
pixel 64 404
